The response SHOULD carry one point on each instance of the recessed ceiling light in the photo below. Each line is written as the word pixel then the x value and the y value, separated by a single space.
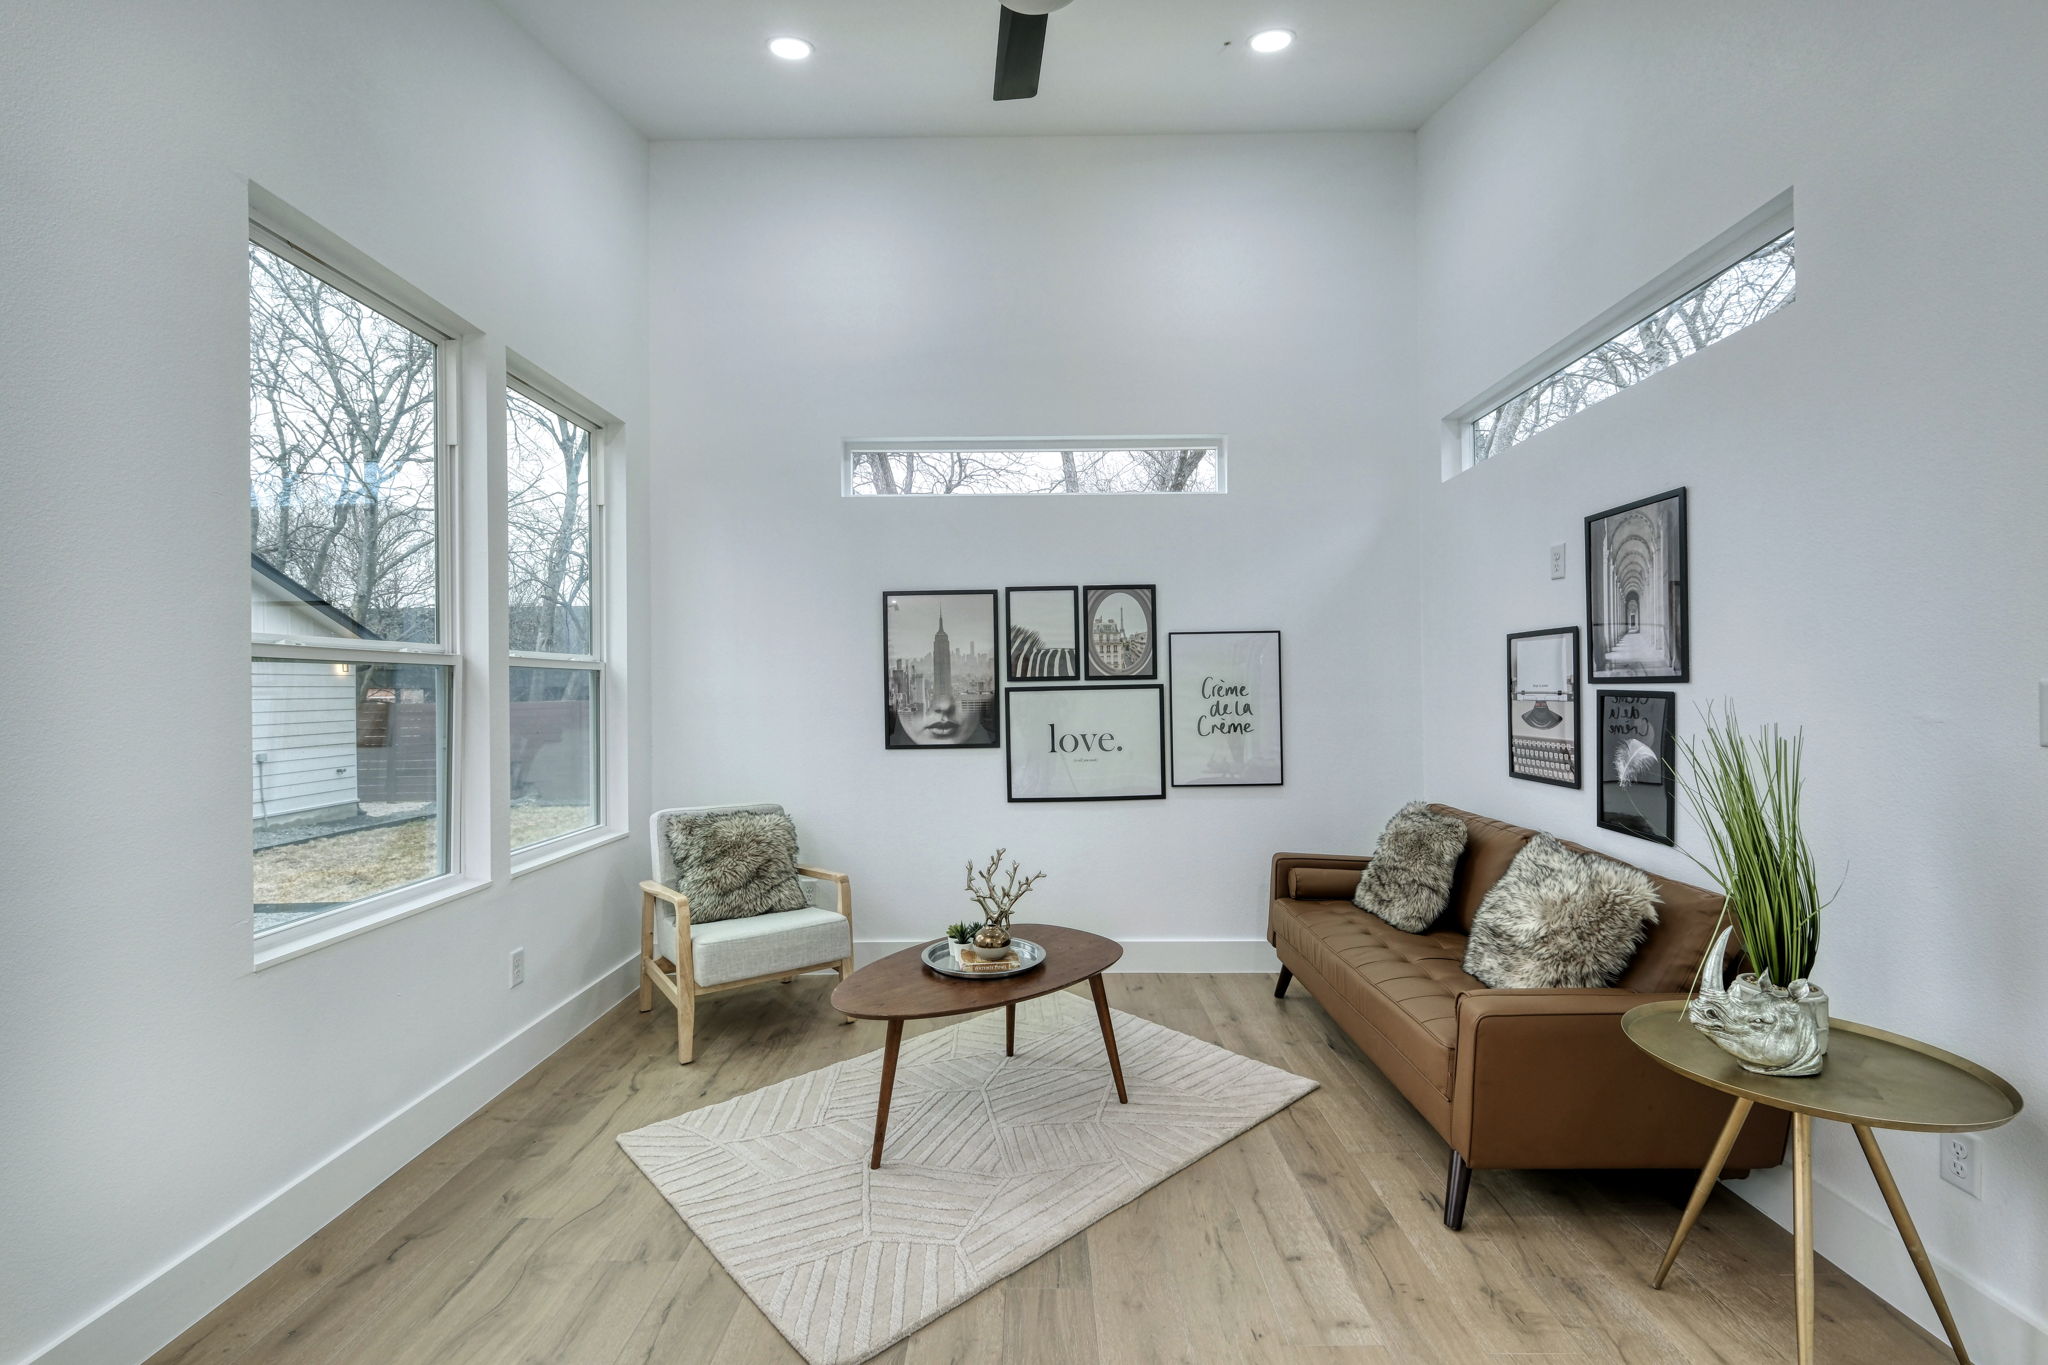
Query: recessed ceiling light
pixel 796 49
pixel 1272 39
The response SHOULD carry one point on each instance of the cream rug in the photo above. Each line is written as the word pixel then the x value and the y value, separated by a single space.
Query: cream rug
pixel 991 1161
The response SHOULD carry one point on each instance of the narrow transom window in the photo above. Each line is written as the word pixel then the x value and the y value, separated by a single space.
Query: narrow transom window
pixel 916 470
pixel 1753 288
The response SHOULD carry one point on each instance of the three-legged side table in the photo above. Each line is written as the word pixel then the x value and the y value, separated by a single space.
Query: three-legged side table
pixel 1872 1080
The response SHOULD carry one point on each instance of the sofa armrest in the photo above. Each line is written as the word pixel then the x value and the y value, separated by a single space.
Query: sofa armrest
pixel 1286 864
pixel 1546 1079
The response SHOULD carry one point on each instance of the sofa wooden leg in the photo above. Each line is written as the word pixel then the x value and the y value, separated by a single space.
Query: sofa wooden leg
pixel 1457 1184
pixel 1280 991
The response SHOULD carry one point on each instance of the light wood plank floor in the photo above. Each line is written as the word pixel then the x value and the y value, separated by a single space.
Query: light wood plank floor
pixel 526 1235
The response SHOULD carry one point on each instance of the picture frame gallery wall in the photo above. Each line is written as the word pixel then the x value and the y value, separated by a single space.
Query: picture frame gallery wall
pixel 1638 629
pixel 1068 680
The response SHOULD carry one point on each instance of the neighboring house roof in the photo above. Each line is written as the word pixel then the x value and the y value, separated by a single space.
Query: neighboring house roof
pixel 311 600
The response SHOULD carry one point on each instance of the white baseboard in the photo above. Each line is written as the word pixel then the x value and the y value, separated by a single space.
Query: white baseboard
pixel 1140 954
pixel 1865 1245
pixel 140 1322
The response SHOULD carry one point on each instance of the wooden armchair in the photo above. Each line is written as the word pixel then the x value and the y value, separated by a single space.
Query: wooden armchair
pixel 684 961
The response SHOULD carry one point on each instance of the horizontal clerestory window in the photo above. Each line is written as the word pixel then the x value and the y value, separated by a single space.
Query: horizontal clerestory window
pixel 880 469
pixel 1751 289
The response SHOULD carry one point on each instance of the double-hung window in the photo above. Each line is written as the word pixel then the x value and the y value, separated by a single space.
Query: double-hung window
pixel 353 669
pixel 553 530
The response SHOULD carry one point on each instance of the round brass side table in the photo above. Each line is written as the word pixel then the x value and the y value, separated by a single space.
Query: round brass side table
pixel 1872 1079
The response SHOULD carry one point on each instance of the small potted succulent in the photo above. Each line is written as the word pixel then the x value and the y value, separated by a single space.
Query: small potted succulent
pixel 959 938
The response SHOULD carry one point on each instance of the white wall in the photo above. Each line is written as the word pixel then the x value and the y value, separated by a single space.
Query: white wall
pixel 1867 492
pixel 807 292
pixel 159 1092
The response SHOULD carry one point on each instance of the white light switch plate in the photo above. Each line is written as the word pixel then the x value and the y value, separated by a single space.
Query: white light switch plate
pixel 1557 571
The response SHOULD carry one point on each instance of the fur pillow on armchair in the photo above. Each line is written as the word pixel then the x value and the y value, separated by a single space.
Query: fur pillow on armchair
pixel 1559 919
pixel 1408 881
pixel 734 864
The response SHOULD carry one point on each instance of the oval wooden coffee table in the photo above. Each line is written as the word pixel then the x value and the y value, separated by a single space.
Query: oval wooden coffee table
pixel 1872 1079
pixel 901 987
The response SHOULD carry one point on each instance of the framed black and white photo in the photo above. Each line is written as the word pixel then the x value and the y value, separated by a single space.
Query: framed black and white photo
pixel 1123 631
pixel 1224 687
pixel 939 670
pixel 1044 634
pixel 1638 750
pixel 1543 706
pixel 1087 743
pixel 1637 622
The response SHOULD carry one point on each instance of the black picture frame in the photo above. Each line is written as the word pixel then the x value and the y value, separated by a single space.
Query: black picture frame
pixel 1278 717
pixel 1651 720
pixel 1035 661
pixel 1083 696
pixel 1100 668
pixel 902 702
pixel 1633 634
pixel 1545 745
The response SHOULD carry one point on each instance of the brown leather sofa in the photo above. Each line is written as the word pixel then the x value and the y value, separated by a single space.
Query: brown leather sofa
pixel 1512 1079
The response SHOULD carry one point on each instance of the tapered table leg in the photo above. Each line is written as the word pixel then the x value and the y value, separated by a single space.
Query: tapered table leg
pixel 895 1041
pixel 1009 1030
pixel 1709 1174
pixel 1116 1068
pixel 1802 1230
pixel 1911 1236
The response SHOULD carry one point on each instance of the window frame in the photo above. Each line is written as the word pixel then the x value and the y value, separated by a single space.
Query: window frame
pixel 1755 232
pixel 849 450
pixel 604 691
pixel 283 942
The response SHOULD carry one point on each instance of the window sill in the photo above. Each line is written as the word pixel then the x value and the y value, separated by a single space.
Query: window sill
pixel 536 856
pixel 298 940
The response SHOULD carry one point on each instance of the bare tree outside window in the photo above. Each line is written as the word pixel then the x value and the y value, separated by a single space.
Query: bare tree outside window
pixel 882 472
pixel 547 528
pixel 343 440
pixel 1753 288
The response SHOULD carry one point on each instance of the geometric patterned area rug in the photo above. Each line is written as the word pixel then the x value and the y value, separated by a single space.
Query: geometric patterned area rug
pixel 991 1161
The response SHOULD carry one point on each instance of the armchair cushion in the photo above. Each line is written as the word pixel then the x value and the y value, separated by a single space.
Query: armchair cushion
pixel 734 864
pixel 762 945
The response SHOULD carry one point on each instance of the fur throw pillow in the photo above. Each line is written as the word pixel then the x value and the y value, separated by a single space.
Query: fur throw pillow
pixel 1408 881
pixel 733 864
pixel 1558 918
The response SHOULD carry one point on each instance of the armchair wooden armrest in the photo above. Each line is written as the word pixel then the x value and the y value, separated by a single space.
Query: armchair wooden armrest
pixel 839 879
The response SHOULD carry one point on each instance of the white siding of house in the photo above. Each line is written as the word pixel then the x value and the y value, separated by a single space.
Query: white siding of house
pixel 305 738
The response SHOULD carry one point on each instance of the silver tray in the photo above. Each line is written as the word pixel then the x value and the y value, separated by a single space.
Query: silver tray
pixel 939 957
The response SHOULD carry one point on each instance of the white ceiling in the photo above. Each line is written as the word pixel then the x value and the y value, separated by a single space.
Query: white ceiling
pixel 895 68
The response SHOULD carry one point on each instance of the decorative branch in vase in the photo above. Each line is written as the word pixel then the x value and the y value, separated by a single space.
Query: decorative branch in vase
pixel 1744 791
pixel 997 899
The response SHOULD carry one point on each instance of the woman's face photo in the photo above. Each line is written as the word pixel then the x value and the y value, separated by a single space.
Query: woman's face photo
pixel 939 663
pixel 945 720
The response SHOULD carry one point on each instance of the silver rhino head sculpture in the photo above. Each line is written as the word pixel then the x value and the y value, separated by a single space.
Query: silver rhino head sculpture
pixel 1772 1030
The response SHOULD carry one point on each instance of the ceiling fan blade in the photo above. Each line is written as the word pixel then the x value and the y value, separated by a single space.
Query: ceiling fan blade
pixel 1020 48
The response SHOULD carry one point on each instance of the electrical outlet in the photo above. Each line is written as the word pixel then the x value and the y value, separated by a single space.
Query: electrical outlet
pixel 1959 1163
pixel 1557 560
pixel 518 966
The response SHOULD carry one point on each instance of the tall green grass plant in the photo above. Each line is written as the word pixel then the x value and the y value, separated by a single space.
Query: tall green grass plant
pixel 1744 790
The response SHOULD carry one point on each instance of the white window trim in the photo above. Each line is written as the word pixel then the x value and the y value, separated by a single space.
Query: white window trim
pixel 849 449
pixel 608 775
pixel 1759 229
pixel 279 230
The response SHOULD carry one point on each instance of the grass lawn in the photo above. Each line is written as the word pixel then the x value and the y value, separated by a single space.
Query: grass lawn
pixel 348 867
